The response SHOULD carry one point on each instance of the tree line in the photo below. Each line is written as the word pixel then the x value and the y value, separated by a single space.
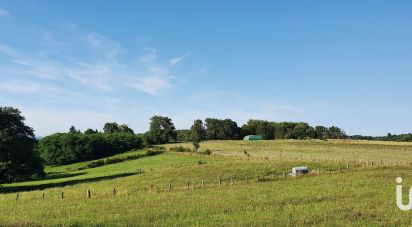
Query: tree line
pixel 22 157
pixel 227 129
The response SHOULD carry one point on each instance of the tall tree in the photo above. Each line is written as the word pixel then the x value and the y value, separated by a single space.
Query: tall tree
pixel 124 128
pixel 336 133
pixel 321 132
pixel 18 160
pixel 73 129
pixel 162 130
pixel 90 131
pixel 111 127
pixel 197 133
pixel 217 129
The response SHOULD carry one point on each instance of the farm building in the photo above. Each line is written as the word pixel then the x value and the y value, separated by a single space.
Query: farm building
pixel 253 137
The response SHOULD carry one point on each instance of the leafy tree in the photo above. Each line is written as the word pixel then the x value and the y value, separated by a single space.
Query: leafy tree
pixel 162 130
pixel 114 127
pixel 283 130
pixel 124 128
pixel 321 132
pixel 217 129
pixel 111 127
pixel 259 127
pixel 90 131
pixel 18 159
pixel 73 129
pixel 183 135
pixel 197 131
pixel 302 131
pixel 65 148
pixel 336 133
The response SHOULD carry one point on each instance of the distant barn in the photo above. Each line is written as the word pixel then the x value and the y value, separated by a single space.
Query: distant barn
pixel 253 137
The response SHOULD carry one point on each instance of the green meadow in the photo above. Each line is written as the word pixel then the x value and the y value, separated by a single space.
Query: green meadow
pixel 242 183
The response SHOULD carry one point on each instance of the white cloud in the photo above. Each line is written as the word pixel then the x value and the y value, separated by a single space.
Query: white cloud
pixel 4 13
pixel 157 81
pixel 91 60
pixel 149 57
pixel 176 60
pixel 18 88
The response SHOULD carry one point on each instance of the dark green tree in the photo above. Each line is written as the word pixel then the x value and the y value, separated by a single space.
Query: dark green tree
pixel 217 129
pixel 73 129
pixel 321 132
pixel 90 131
pixel 18 159
pixel 197 133
pixel 336 133
pixel 162 130
pixel 111 127
pixel 124 128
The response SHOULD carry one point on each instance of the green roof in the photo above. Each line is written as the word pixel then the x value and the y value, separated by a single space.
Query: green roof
pixel 253 137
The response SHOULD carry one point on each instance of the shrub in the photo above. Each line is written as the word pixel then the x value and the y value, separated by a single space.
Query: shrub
pixel 206 152
pixel 180 149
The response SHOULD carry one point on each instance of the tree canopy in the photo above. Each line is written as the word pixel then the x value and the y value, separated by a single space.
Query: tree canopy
pixel 18 160
pixel 162 130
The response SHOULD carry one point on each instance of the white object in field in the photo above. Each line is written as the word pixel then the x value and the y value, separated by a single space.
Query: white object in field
pixel 300 170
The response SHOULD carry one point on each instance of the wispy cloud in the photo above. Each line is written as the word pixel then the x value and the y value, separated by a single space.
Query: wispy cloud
pixel 176 60
pixel 90 60
pixel 150 56
pixel 4 13
pixel 157 80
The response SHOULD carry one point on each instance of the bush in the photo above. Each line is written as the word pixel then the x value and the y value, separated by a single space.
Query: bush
pixel 206 152
pixel 65 148
pixel 180 149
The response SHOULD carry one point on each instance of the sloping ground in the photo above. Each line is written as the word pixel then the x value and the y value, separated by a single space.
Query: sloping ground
pixel 360 195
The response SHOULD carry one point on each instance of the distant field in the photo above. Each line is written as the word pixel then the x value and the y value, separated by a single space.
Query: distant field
pixel 364 194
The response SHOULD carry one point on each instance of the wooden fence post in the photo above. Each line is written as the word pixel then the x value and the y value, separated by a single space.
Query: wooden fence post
pixel 17 197
pixel 203 183
pixel 62 195
pixel 170 186
pixel 114 191
pixel 42 196
pixel 88 194
pixel 187 184
pixel 220 180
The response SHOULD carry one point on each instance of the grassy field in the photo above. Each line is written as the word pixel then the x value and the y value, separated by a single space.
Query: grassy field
pixel 167 189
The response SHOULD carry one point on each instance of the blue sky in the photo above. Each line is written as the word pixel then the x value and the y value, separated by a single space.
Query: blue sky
pixel 83 63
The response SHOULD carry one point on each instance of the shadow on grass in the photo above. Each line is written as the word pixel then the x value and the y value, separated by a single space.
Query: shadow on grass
pixel 19 188
pixel 62 175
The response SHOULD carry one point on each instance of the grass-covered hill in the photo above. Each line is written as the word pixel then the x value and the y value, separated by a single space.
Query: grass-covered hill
pixel 240 183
